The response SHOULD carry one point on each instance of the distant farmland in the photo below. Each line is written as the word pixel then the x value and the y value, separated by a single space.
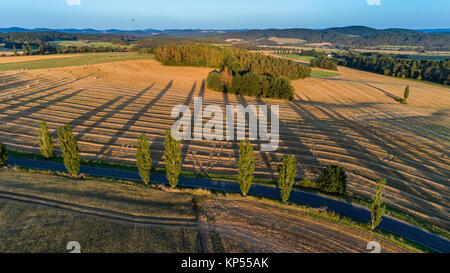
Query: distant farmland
pixel 77 43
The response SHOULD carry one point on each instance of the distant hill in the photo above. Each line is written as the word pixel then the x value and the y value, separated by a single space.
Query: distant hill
pixel 356 36
pixel 146 32
pixel 352 36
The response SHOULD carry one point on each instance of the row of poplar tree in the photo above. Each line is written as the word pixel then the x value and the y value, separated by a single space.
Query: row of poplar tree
pixel 333 177
pixel 72 161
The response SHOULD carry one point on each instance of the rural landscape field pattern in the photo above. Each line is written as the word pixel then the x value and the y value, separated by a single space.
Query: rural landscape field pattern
pixel 351 120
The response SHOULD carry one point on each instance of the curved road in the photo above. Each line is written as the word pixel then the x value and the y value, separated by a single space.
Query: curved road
pixel 355 212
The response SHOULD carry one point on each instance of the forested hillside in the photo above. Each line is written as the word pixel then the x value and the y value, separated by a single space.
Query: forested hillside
pixel 349 36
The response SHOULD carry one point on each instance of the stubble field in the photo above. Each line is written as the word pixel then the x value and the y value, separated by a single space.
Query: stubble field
pixel 351 120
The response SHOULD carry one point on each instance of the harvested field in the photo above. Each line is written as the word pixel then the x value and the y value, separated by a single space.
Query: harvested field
pixel 320 44
pixel 351 120
pixel 284 41
pixel 247 226
pixel 42 213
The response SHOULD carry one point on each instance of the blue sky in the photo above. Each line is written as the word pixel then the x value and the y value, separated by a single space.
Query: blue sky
pixel 230 14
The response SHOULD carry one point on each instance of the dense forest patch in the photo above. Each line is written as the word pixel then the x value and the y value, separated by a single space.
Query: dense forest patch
pixel 435 71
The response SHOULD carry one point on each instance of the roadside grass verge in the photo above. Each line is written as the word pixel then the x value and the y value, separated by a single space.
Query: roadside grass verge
pixel 79 60
pixel 350 197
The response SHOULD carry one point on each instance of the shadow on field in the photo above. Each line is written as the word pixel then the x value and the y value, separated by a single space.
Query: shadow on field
pixel 106 150
pixel 385 140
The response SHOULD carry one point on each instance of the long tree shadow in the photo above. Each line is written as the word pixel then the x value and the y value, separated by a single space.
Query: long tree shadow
pixel 234 143
pixel 25 95
pixel 264 155
pixel 35 109
pixel 371 134
pixel 307 151
pixel 86 116
pixel 13 84
pixel 186 143
pixel 372 137
pixel 157 144
pixel 383 91
pixel 134 118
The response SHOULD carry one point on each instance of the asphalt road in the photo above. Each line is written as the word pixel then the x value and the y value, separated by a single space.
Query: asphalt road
pixel 355 212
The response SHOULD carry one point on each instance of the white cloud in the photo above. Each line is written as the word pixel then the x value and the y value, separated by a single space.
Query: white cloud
pixel 374 2
pixel 73 2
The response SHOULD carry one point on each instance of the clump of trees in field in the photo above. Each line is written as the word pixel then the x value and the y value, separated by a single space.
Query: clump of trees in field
pixel 251 84
pixel 314 53
pixel 69 148
pixel 405 96
pixel 3 155
pixel 246 166
pixel 377 209
pixel 325 63
pixel 240 72
pixel 333 180
pixel 45 140
pixel 288 171
pixel 172 158
pixel 389 65
pixel 143 160
pixel 301 52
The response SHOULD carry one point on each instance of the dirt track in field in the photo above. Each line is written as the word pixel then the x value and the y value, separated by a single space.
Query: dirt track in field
pixel 350 120
pixel 247 226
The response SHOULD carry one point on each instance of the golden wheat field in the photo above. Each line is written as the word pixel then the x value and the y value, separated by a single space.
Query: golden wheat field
pixel 351 120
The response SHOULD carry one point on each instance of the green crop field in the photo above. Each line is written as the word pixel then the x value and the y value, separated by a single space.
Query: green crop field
pixel 79 60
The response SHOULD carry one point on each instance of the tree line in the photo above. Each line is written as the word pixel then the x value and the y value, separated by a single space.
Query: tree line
pixel 44 49
pixel 389 65
pixel 42 37
pixel 332 179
